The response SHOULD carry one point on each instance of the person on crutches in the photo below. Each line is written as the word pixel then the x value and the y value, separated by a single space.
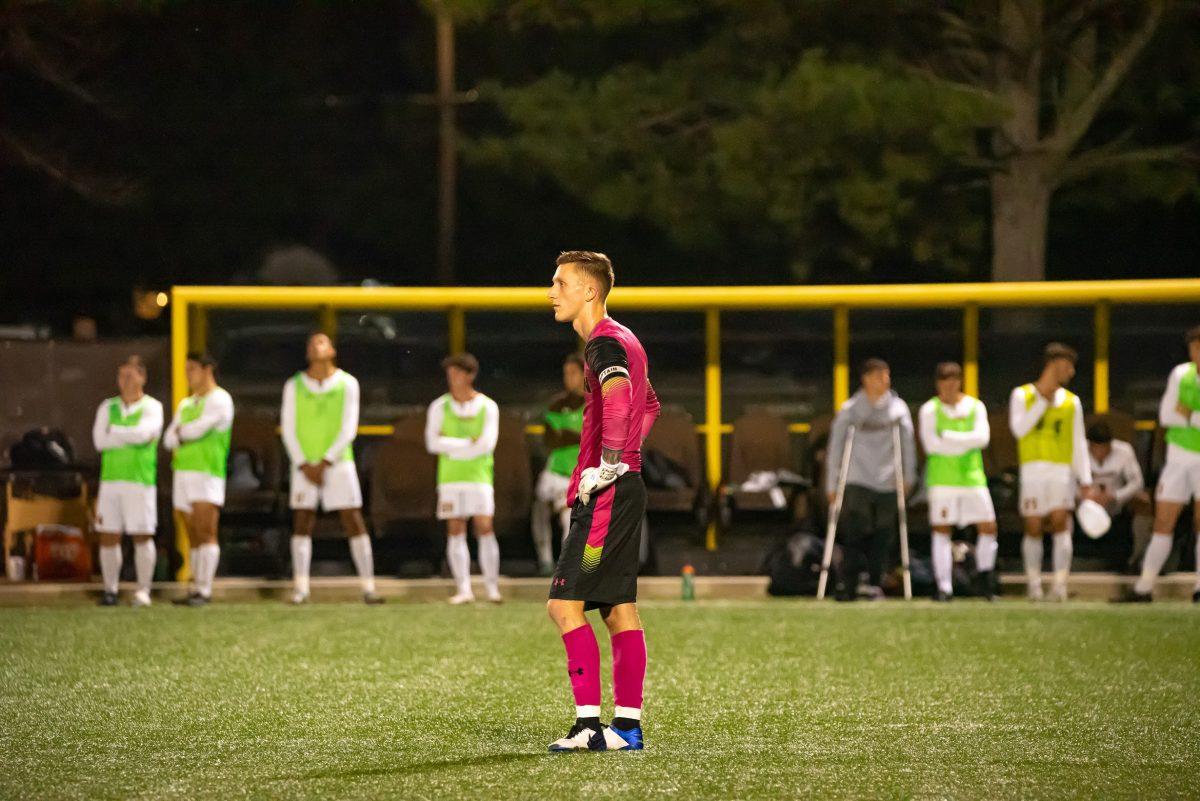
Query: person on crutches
pixel 868 504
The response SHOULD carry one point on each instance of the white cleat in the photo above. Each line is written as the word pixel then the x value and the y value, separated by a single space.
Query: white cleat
pixel 614 741
pixel 1058 592
pixel 460 598
pixel 1034 591
pixel 299 598
pixel 141 598
pixel 581 738
pixel 494 596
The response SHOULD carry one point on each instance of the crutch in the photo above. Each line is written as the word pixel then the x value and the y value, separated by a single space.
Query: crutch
pixel 902 510
pixel 835 511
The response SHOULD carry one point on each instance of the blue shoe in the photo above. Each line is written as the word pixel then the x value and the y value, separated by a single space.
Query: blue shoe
pixel 632 738
pixel 583 736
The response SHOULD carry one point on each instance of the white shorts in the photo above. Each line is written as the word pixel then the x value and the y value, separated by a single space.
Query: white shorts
pixel 960 506
pixel 1180 478
pixel 552 488
pixel 126 507
pixel 340 489
pixel 191 486
pixel 456 501
pixel 1046 488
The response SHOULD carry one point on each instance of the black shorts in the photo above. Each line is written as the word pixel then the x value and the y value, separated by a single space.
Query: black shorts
pixel 599 560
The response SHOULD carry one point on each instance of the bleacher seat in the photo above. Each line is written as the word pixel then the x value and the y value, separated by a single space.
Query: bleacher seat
pixel 674 436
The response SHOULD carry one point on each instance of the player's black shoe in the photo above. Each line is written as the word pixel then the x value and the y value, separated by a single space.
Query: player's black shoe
pixel 1131 596
pixel 985 585
pixel 586 735
pixel 108 599
pixel 942 597
pixel 372 599
pixel 1196 597
pixel 185 600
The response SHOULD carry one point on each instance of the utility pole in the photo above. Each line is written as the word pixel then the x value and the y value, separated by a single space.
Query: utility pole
pixel 447 145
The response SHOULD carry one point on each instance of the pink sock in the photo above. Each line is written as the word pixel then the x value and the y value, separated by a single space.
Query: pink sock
pixel 583 666
pixel 629 672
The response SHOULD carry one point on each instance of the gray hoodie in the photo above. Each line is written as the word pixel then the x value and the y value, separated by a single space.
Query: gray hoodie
pixel 871 456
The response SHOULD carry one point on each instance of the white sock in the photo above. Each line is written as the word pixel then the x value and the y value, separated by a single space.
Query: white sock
pixel 210 555
pixel 459 559
pixel 1062 556
pixel 985 552
pixel 301 563
pixel 489 559
pixel 1032 549
pixel 539 522
pixel 364 561
pixel 110 566
pixel 145 555
pixel 1152 564
pixel 194 566
pixel 943 563
pixel 631 712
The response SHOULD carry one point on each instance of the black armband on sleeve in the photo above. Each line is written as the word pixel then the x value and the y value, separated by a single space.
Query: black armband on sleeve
pixel 607 359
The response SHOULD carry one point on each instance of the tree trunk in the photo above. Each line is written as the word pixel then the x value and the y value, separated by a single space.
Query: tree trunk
pixel 1020 191
pixel 1020 210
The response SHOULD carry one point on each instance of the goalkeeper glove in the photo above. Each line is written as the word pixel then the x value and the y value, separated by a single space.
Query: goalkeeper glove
pixel 593 480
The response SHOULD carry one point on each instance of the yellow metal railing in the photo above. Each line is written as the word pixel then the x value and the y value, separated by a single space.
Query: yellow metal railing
pixel 190 304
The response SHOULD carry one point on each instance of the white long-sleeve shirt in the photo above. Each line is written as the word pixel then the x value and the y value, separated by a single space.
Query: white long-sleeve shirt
pixel 350 412
pixel 1119 473
pixel 954 443
pixel 1168 414
pixel 1021 421
pixel 458 447
pixel 148 427
pixel 217 415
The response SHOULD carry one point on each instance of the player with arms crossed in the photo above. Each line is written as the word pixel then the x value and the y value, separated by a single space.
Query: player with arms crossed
pixel 461 428
pixel 126 435
pixel 1179 413
pixel 599 562
pixel 200 435
pixel 1047 421
pixel 319 421
pixel 954 431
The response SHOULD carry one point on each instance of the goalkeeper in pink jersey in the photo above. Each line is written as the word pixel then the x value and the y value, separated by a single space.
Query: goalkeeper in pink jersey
pixel 599 562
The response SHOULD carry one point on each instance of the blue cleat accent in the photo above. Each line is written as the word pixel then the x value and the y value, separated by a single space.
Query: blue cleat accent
pixel 632 737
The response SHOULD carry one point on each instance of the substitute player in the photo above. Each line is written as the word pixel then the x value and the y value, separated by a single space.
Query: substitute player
pixel 599 562
pixel 1179 413
pixel 954 432
pixel 563 420
pixel 319 421
pixel 1118 486
pixel 462 427
pixel 199 435
pixel 1047 421
pixel 126 435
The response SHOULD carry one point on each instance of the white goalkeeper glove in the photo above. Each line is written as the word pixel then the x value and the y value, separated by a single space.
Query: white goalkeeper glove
pixel 594 479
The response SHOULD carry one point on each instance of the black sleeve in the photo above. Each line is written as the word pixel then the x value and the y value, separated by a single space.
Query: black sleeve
pixel 607 359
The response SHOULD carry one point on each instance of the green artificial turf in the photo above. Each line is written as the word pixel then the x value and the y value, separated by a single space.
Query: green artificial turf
pixel 744 700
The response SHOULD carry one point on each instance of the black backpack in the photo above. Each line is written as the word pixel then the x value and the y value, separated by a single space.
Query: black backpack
pixel 42 449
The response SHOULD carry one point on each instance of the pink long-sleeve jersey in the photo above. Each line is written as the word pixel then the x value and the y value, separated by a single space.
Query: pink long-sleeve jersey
pixel 619 404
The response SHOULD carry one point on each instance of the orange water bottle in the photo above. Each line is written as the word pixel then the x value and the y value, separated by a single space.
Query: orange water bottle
pixel 689 583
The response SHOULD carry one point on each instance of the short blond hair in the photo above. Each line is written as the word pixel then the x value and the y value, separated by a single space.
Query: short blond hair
pixel 596 265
